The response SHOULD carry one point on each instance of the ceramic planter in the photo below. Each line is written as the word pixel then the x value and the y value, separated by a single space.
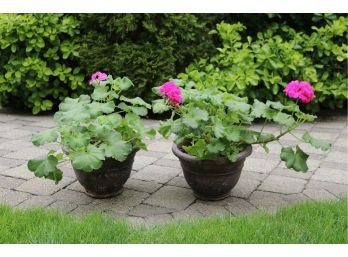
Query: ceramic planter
pixel 211 179
pixel 108 181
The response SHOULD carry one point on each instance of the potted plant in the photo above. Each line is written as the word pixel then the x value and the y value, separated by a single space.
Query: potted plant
pixel 100 134
pixel 213 134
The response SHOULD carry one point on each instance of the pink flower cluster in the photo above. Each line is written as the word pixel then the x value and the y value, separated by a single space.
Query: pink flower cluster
pixel 171 91
pixel 98 76
pixel 301 90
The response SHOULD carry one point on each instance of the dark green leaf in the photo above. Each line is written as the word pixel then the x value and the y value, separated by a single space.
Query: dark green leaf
pixel 46 167
pixel 294 159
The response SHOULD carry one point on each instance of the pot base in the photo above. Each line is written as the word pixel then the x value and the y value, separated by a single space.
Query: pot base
pixel 103 196
pixel 212 197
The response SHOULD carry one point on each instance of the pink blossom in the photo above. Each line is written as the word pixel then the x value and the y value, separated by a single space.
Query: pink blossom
pixel 301 90
pixel 171 91
pixel 98 76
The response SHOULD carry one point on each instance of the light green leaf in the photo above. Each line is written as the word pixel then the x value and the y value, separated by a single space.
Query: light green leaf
pixel 215 147
pixel 165 128
pixel 197 149
pixel 73 109
pixel 115 147
pixel 284 119
pixel 159 106
pixel 88 160
pixel 316 142
pixel 259 109
pixel 194 116
pixel 139 110
pixel 135 101
pixel 218 127
pixel 97 108
pixel 47 136
pixel 232 134
pixel 100 93
pixel 125 83
pixel 236 106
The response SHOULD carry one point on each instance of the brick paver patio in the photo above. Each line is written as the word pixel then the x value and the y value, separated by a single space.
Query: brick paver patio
pixel 157 191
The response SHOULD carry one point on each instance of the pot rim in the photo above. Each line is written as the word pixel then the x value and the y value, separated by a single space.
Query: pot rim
pixel 187 157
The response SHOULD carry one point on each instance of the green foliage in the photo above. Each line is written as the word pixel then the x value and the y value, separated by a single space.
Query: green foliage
pixel 260 67
pixel 211 124
pixel 319 144
pixel 37 60
pixel 92 129
pixel 46 167
pixel 148 48
pixel 294 159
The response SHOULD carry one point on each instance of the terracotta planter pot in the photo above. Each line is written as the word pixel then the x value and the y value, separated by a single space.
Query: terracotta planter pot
pixel 108 181
pixel 211 179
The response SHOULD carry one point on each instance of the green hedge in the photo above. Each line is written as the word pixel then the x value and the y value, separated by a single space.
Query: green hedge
pixel 46 57
pixel 37 53
pixel 261 67
pixel 148 48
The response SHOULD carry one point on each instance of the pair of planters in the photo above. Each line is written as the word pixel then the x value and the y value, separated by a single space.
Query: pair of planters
pixel 209 179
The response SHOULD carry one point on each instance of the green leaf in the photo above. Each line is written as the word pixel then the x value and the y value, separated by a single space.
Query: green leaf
pixel 47 136
pixel 159 106
pixel 141 111
pixel 232 153
pixel 125 83
pixel 260 109
pixel 232 134
pixel 236 106
pixel 88 160
pixel 135 101
pixel 316 142
pixel 284 119
pixel 218 127
pixel 215 147
pixel 248 136
pixel 138 110
pixel 73 109
pixel 46 167
pixel 305 116
pixel 294 159
pixel 194 116
pixel 197 149
pixel 97 108
pixel 78 140
pixel 165 128
pixel 100 93
pixel 115 147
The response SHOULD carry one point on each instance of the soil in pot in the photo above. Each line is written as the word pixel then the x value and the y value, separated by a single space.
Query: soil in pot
pixel 211 179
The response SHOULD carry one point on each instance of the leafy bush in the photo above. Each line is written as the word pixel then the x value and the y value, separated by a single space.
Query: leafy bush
pixel 260 68
pixel 38 59
pixel 148 48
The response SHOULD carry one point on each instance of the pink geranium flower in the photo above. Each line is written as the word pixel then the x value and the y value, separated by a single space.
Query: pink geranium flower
pixel 98 76
pixel 171 91
pixel 301 90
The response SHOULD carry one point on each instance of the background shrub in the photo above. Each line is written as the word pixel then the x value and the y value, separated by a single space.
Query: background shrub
pixel 38 60
pixel 261 67
pixel 43 56
pixel 148 48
